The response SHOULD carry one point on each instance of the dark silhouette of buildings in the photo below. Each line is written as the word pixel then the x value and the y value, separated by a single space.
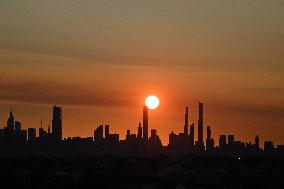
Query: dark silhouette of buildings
pixel 31 134
pixel 222 141
pixel 200 143
pixel 200 123
pixel 9 130
pixel 145 122
pixel 256 141
pixel 186 122
pixel 191 137
pixel 139 132
pixel 209 140
pixel 57 124
pixel 99 134
pixel 15 141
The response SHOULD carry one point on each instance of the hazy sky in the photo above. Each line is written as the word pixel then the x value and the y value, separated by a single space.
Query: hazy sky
pixel 100 59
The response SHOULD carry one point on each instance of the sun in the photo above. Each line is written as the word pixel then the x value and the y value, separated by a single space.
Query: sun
pixel 152 102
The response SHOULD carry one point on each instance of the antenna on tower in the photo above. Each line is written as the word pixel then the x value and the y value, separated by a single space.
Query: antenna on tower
pixel 40 123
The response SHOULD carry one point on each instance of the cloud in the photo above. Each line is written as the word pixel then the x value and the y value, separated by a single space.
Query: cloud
pixel 249 109
pixel 52 92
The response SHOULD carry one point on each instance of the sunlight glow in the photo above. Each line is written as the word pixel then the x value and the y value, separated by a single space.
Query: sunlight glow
pixel 152 102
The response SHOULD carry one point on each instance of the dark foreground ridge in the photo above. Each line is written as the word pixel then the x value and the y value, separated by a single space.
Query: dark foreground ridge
pixel 161 172
pixel 17 142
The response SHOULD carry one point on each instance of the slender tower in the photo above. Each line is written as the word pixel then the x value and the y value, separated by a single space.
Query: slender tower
pixel 208 132
pixel 186 122
pixel 139 134
pixel 191 135
pixel 200 124
pixel 57 124
pixel 145 123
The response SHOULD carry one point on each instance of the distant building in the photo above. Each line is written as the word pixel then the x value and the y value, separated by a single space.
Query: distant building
pixel 99 134
pixel 18 126
pixel 191 136
pixel 231 139
pixel 31 134
pixel 10 125
pixel 268 146
pixel 127 134
pixel 222 141
pixel 145 122
pixel 139 133
pixel 113 138
pixel 200 123
pixel 57 124
pixel 256 141
pixel 185 131
pixel 209 140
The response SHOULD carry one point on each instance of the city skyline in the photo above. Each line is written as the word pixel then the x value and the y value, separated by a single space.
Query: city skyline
pixel 15 141
pixel 199 140
pixel 142 94
pixel 101 59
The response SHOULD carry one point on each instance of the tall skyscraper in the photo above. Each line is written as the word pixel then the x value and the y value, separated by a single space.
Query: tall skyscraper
pixel 200 124
pixel 186 122
pixel 10 124
pixel 191 135
pixel 139 133
pixel 99 134
pixel 145 123
pixel 57 124
pixel 209 140
pixel 256 141
pixel 208 132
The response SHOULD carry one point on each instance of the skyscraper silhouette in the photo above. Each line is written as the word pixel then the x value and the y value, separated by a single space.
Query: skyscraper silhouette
pixel 57 124
pixel 200 124
pixel 139 133
pixel 209 140
pixel 18 126
pixel 186 122
pixel 208 132
pixel 99 134
pixel 222 141
pixel 231 139
pixel 256 141
pixel 145 123
pixel 10 124
pixel 191 135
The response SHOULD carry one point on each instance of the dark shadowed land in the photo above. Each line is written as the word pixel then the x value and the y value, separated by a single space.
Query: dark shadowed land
pixel 161 172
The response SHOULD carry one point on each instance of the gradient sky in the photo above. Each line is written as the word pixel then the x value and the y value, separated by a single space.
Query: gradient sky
pixel 101 59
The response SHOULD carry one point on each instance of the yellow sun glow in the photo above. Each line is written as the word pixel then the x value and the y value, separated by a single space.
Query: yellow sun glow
pixel 152 102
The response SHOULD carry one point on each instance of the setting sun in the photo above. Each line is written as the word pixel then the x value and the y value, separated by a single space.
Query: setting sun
pixel 152 102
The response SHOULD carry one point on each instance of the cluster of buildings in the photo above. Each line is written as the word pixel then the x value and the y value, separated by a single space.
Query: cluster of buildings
pixel 15 141
pixel 14 135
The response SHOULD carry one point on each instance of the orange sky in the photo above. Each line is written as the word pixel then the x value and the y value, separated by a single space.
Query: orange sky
pixel 100 60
